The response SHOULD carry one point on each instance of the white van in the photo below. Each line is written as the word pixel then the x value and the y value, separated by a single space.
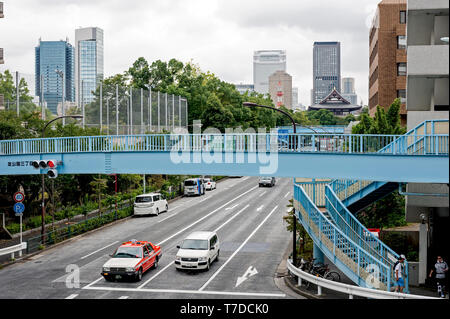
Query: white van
pixel 198 251
pixel 150 204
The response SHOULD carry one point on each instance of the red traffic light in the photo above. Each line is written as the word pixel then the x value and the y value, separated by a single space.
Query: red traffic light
pixel 51 164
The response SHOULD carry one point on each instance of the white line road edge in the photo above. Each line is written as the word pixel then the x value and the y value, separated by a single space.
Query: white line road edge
pixel 237 250
pixel 231 293
pixel 73 296
pixel 287 194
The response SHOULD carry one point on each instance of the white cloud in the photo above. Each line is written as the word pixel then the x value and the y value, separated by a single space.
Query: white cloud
pixel 218 35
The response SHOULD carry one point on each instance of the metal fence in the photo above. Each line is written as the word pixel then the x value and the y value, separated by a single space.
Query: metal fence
pixel 127 111
pixel 257 142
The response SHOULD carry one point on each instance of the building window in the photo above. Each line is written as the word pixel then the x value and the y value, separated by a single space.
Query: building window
pixel 402 17
pixel 401 94
pixel 401 69
pixel 401 42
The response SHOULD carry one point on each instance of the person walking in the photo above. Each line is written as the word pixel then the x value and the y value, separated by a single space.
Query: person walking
pixel 441 269
pixel 399 274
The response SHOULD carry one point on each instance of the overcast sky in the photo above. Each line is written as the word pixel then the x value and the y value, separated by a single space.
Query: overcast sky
pixel 218 35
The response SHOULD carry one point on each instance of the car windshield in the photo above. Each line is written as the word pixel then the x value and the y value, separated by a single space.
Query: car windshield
pixel 143 199
pixel 196 244
pixel 190 183
pixel 128 252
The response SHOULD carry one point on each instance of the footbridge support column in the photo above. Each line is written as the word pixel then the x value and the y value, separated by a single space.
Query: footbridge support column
pixel 317 254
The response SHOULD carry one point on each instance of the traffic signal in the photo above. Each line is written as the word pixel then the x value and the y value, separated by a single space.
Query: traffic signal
pixel 50 164
pixel 52 173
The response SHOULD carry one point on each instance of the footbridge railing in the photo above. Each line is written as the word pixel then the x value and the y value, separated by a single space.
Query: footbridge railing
pixel 329 143
pixel 358 264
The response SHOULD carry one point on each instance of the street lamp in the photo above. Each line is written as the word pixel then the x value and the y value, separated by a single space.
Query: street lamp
pixel 294 219
pixel 43 182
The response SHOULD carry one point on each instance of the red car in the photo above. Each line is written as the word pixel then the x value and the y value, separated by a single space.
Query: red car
pixel 132 259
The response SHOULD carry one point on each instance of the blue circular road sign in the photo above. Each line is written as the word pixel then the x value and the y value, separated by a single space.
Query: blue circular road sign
pixel 19 208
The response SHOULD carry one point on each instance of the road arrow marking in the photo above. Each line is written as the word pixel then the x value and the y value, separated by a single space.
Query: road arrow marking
pixel 251 271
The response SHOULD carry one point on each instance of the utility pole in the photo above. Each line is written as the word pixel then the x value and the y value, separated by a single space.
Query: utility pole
pixel 17 93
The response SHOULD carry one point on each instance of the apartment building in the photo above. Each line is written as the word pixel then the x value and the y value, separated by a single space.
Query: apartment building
pixel 387 56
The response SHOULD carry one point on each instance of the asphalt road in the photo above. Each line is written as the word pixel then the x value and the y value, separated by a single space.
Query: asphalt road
pixel 247 219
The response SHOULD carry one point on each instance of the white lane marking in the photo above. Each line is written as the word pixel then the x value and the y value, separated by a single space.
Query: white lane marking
pixel 93 283
pixel 287 194
pixel 156 275
pixel 179 232
pixel 251 271
pixel 230 219
pixel 168 217
pixel 206 216
pixel 173 208
pixel 262 193
pixel 230 293
pixel 259 208
pixel 237 250
pixel 204 199
pixel 99 250
pixel 245 178
pixel 123 297
pixel 72 296
pixel 228 208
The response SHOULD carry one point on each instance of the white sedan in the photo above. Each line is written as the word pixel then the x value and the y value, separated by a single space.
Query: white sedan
pixel 209 184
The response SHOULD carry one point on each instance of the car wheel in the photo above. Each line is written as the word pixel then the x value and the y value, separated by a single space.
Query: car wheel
pixel 155 264
pixel 208 265
pixel 167 208
pixel 218 253
pixel 157 211
pixel 139 275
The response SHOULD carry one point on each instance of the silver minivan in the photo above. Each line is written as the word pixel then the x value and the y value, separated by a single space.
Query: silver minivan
pixel 150 204
pixel 198 251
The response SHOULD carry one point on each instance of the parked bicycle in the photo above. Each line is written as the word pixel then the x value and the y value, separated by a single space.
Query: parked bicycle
pixel 319 270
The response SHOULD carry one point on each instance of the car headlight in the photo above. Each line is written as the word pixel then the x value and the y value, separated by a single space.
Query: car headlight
pixel 106 269
pixel 202 259
pixel 130 269
pixel 177 258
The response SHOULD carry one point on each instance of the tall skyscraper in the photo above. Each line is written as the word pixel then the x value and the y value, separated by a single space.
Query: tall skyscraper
pixel 50 57
pixel 326 69
pixel 89 69
pixel 280 89
pixel 294 96
pixel 265 63
pixel 348 90
pixel 387 56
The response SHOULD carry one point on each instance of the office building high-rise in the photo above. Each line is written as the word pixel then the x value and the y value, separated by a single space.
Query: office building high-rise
pixel 89 69
pixel 326 69
pixel 54 69
pixel 265 63
pixel 280 89
pixel 294 96
pixel 348 90
pixel 387 56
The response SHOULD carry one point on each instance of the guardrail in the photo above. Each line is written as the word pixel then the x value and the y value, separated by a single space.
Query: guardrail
pixel 351 290
pixel 328 143
pixel 13 249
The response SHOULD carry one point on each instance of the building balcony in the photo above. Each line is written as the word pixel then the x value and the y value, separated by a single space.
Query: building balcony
pixel 428 61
